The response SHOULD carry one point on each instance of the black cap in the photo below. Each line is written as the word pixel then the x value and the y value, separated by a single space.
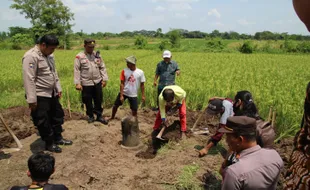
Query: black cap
pixel 89 41
pixel 215 106
pixel 241 125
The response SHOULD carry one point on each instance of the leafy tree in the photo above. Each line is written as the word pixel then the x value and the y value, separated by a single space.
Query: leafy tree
pixel 159 33
pixel 3 36
pixel 175 38
pixel 215 34
pixel 163 45
pixel 140 42
pixel 18 30
pixel 126 34
pixel 303 47
pixel 22 39
pixel 46 17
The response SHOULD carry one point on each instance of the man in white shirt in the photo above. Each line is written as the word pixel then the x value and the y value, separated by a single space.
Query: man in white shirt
pixel 132 79
pixel 223 106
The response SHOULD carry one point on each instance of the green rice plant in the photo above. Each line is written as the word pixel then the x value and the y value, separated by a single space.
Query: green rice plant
pixel 277 80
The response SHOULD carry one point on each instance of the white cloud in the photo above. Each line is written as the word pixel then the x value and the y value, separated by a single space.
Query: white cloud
pixel 215 13
pixel 244 22
pixel 160 8
pixel 180 15
pixel 10 15
pixel 175 1
pixel 79 9
pixel 180 7
pixel 99 1
pixel 218 24
pixel 148 20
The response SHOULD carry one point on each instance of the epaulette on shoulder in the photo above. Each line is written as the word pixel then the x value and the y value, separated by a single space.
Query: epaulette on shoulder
pixel 80 55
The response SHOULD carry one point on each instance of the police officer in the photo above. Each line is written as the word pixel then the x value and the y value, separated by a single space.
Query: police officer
pixel 43 91
pixel 254 167
pixel 90 76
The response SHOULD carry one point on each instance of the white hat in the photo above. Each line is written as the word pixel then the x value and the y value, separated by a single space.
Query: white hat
pixel 167 54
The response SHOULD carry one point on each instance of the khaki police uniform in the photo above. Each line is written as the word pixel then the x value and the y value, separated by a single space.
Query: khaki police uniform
pixel 255 167
pixel 42 85
pixel 90 71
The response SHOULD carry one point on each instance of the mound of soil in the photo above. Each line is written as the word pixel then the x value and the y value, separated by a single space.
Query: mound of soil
pixel 17 119
pixel 96 160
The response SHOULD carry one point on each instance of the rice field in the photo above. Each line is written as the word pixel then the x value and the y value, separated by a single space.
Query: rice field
pixel 277 80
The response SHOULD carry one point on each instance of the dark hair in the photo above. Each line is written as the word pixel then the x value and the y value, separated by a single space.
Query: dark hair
pixel 37 39
pixel 41 166
pixel 249 108
pixel 250 137
pixel 168 94
pixel 49 40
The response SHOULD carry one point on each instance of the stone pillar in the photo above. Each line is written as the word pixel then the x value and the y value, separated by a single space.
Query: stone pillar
pixel 130 132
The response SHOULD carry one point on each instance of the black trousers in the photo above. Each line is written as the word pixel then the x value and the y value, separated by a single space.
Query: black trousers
pixel 48 117
pixel 90 94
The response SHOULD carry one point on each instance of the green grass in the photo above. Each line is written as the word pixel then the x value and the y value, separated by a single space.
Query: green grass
pixel 277 80
pixel 187 179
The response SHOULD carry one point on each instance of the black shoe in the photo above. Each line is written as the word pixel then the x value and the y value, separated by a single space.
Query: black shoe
pixel 53 148
pixel 63 142
pixel 101 120
pixel 91 120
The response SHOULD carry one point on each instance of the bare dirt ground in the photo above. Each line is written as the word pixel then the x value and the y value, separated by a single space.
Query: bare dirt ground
pixel 96 161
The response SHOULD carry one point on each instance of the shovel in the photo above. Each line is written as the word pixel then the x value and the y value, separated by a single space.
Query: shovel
pixel 19 144
pixel 161 132
pixel 199 118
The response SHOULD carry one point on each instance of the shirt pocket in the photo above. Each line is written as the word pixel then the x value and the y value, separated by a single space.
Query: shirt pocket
pixel 84 64
pixel 43 67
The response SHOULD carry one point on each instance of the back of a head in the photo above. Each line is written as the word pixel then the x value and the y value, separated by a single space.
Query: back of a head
pixel 168 95
pixel 248 106
pixel 49 40
pixel 302 8
pixel 243 126
pixel 41 166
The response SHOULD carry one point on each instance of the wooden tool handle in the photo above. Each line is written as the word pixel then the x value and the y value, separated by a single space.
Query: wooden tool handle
pixel 199 118
pixel 161 132
pixel 19 144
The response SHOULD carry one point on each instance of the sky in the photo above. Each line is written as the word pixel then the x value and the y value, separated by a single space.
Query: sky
pixel 243 16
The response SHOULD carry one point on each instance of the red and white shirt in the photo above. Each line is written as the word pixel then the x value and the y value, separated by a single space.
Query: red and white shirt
pixel 133 80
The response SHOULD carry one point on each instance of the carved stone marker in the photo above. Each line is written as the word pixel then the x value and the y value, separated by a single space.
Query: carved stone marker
pixel 130 132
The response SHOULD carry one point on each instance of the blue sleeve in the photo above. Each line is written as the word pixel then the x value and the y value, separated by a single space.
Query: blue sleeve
pixel 157 72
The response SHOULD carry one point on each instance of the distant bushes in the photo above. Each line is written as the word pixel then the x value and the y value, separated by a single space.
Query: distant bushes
pixel 164 44
pixel 247 47
pixel 140 42
pixel 303 47
pixel 214 45
pixel 174 42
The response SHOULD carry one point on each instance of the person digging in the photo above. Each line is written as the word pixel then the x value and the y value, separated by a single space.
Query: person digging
pixel 171 99
pixel 224 107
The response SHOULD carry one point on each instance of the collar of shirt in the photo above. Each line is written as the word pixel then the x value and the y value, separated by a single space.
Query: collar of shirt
pixel 38 51
pixel 250 150
pixel 166 62
pixel 90 56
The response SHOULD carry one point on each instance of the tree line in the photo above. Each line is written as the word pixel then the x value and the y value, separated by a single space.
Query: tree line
pixel 231 35
pixel 53 17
